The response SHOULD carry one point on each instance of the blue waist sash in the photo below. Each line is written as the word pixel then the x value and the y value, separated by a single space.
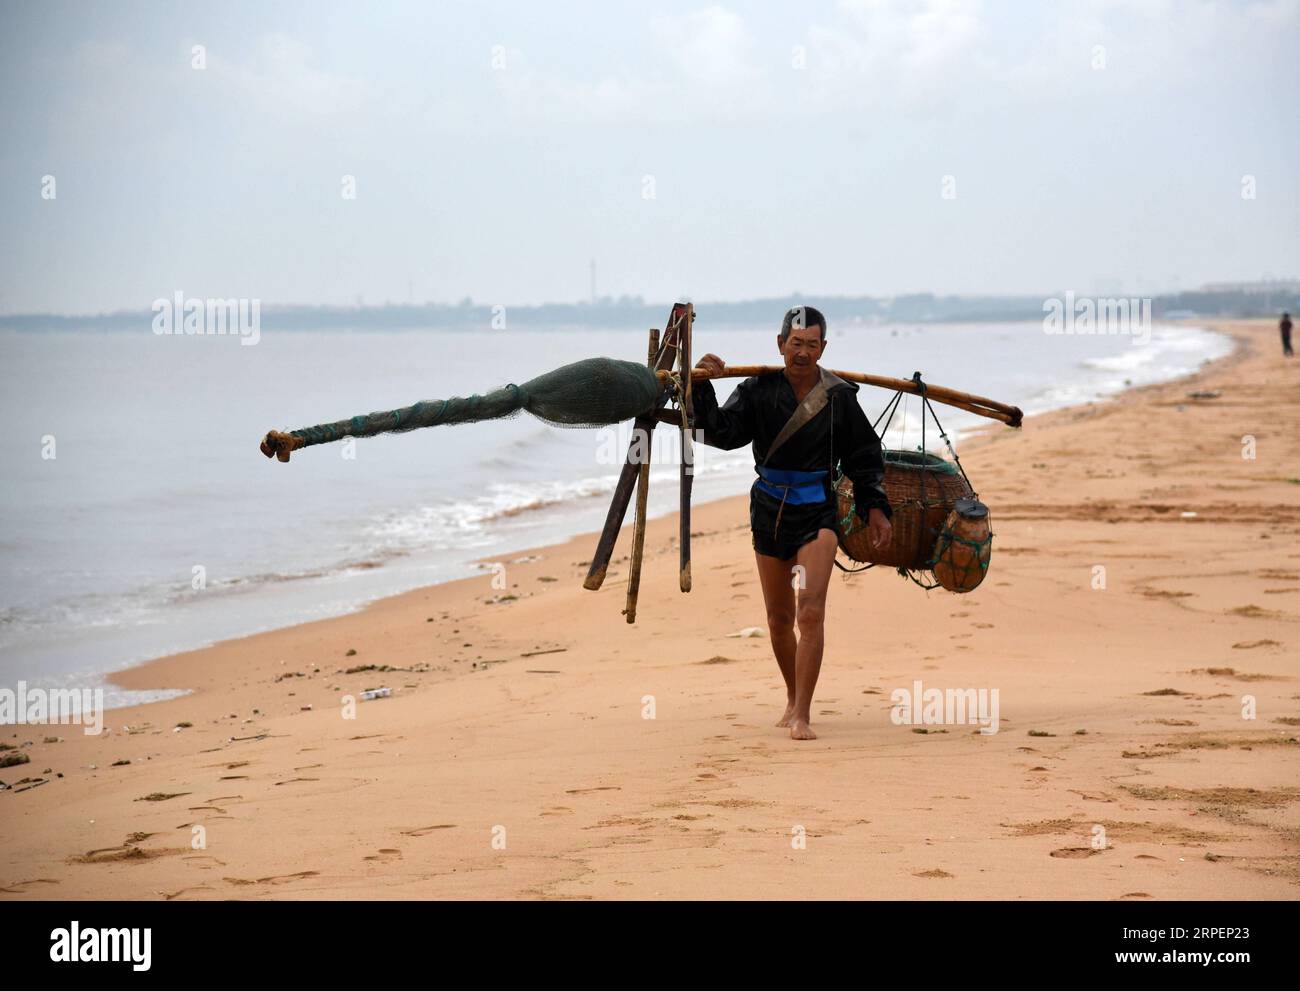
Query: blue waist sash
pixel 797 488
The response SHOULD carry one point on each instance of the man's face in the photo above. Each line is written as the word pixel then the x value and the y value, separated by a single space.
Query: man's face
pixel 803 348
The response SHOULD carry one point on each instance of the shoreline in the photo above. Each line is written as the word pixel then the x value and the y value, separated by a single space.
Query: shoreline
pixel 477 674
pixel 979 434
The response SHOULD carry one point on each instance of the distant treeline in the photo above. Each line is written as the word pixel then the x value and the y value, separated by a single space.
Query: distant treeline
pixel 635 313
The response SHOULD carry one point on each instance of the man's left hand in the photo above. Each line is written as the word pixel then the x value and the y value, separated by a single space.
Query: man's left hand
pixel 882 531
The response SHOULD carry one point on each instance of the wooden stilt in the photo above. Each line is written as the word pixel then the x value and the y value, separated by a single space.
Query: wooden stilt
pixel 628 477
pixel 642 494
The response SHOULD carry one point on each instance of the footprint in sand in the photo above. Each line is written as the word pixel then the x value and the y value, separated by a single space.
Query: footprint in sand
pixel 1092 798
pixel 1253 611
pixel 274 879
pixel 387 853
pixel 127 853
pixel 171 895
pixel 1074 852
pixel 935 872
pixel 423 830
pixel 1225 672
pixel 18 885
pixel 198 860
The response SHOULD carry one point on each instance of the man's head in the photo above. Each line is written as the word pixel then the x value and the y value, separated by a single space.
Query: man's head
pixel 803 318
pixel 803 337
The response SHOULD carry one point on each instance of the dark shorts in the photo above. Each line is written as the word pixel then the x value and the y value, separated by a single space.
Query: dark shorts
pixel 798 525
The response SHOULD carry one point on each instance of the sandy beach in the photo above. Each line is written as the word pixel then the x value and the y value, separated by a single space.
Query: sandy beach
pixel 536 746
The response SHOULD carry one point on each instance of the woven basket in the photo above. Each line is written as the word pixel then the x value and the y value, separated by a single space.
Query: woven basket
pixel 922 489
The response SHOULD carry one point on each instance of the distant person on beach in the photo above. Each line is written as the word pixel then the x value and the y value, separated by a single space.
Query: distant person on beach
pixel 1285 327
pixel 802 421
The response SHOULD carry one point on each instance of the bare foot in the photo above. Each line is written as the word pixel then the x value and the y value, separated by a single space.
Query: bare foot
pixel 789 711
pixel 800 730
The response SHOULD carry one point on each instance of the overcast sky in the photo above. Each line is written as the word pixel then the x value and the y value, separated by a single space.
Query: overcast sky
pixel 705 151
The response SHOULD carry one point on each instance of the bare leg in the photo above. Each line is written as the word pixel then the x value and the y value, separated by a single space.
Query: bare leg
pixel 816 557
pixel 775 575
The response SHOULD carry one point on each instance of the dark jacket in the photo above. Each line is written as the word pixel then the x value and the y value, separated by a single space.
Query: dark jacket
pixel 840 433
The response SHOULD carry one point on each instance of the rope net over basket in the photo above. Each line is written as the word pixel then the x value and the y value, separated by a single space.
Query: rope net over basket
pixel 594 392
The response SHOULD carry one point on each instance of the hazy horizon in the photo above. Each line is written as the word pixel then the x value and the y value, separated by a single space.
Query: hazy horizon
pixel 693 150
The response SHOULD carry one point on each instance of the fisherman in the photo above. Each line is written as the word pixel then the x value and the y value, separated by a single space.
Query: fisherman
pixel 802 420
pixel 1285 327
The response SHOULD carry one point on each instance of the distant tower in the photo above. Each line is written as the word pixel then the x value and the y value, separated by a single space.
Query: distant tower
pixel 593 281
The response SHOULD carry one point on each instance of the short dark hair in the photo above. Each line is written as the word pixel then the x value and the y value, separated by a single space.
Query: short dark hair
pixel 802 317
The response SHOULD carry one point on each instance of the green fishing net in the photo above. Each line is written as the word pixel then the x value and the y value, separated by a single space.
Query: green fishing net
pixel 593 392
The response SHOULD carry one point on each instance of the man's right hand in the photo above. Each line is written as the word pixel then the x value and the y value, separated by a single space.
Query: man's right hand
pixel 711 363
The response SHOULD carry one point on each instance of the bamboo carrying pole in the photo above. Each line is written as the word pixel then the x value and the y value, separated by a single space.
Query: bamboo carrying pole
pixel 642 493
pixel 991 408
